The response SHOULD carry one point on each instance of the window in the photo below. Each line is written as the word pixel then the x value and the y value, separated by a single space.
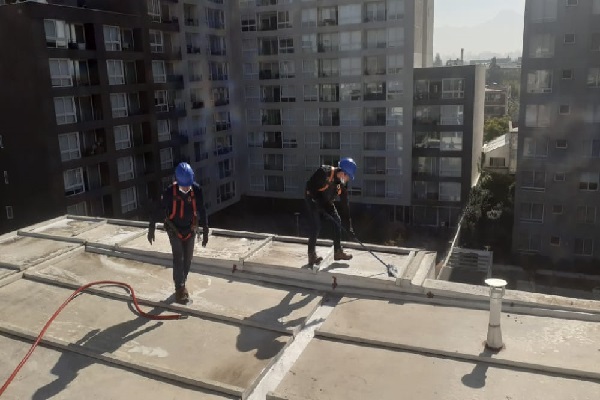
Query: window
pixel 118 103
pixel 69 146
pixel 328 42
pixel 164 131
pixel 374 188
pixel 592 113
pixel 253 116
pixel 561 144
pixel 449 191
pixel 160 101
pixel 9 212
pixel 451 115
pixel 309 17
pixel 274 183
pixel 567 74
pixel 351 40
pixel 497 162
pixel 375 65
pixel 57 33
pixel 330 141
pixel 395 63
pixel 375 141
pixel 156 41
pixel 374 91
pixel 128 200
pixel 569 38
pixel 451 141
pixel 586 215
pixel 588 181
pixel 116 73
pixel 593 78
pixel 572 2
pixel 535 148
pixel 533 180
pixel 286 46
pixel 283 20
pixel 451 167
pixel 395 90
pixel 329 92
pixel 287 69
pixel 311 117
pixel 375 11
pixel 350 66
pixel 584 247
pixel 125 168
pixel 564 109
pixel 64 108
pixel 329 67
pixel 329 117
pixel 73 180
pixel 395 116
pixel 543 10
pixel 557 209
pixel 288 93
pixel 349 14
pixel 554 241
pixel 350 92
pixel 395 9
pixel 559 177
pixel 453 88
pixel 537 115
pixel 250 70
pixel 532 212
pixel 166 158
pixel 350 117
pixel 328 16
pixel 529 242
pixel 309 43
pixel 158 72
pixel 122 137
pixel 591 148
pixel 539 81
pixel 395 37
pixel 376 39
pixel 61 72
pixel 112 38
pixel 374 116
pixel 248 22
pixel 541 45
pixel 273 162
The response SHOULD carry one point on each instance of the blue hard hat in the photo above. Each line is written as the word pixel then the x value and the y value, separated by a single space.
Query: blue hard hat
pixel 348 166
pixel 184 174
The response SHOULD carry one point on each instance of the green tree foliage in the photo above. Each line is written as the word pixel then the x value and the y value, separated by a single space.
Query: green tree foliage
pixel 488 215
pixel 494 127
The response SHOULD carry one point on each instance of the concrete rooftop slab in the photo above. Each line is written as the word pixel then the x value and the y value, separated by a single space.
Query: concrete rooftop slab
pixel 67 375
pixel 343 371
pixel 22 252
pixel 549 344
pixel 268 306
pixel 210 354
pixel 110 234
pixel 65 227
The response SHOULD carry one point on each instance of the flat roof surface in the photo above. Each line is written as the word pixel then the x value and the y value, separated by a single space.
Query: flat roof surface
pixel 262 324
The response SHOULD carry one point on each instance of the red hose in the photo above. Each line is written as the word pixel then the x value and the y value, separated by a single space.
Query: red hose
pixel 75 293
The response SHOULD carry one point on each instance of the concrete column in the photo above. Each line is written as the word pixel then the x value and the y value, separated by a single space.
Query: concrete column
pixel 494 336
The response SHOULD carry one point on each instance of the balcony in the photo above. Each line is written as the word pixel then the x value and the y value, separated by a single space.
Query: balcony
pixel 327 47
pixel 218 76
pixel 222 126
pixel 196 104
pixel 217 51
pixel 268 74
pixel 193 49
pixel 192 22
pixel 221 102
pixel 375 121
pixel 271 120
pixel 374 96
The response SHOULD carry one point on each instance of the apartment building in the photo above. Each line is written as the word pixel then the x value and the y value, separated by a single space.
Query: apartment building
pixel 558 178
pixel 496 101
pixel 447 141
pixel 323 80
pixel 107 97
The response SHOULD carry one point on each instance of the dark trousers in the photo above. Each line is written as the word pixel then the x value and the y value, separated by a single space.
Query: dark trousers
pixel 314 224
pixel 183 251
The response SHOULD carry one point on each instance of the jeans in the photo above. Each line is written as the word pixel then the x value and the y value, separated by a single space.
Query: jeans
pixel 183 251
pixel 314 223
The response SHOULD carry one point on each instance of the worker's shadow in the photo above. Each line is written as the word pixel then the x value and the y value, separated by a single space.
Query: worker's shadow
pixel 476 378
pixel 268 343
pixel 98 341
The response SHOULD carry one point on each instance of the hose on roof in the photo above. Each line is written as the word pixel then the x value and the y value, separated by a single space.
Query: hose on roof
pixel 73 295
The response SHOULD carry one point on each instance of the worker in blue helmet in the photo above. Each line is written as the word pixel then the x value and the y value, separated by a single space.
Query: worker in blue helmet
pixel 323 187
pixel 182 210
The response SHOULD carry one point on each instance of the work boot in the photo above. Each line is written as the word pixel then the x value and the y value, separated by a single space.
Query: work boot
pixel 181 295
pixel 313 259
pixel 340 255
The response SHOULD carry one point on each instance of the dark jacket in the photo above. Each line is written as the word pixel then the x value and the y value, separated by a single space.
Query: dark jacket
pixel 182 221
pixel 324 187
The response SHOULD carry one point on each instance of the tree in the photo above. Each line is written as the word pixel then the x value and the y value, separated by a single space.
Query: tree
pixel 494 127
pixel 438 61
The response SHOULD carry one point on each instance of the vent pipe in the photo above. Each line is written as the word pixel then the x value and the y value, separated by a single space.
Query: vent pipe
pixel 494 336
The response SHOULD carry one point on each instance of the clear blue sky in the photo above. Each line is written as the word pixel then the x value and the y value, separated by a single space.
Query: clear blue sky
pixel 478 25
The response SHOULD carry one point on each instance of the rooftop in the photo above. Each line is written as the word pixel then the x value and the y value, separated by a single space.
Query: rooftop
pixel 263 325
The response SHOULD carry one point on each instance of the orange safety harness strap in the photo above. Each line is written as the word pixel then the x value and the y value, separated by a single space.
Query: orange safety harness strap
pixel 324 188
pixel 176 197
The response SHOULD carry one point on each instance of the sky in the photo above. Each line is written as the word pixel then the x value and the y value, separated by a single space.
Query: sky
pixel 480 26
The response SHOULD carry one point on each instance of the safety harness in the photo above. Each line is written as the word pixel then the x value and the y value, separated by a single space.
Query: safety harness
pixel 330 181
pixel 178 199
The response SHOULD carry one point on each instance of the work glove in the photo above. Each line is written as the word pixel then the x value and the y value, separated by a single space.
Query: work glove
pixel 204 236
pixel 151 235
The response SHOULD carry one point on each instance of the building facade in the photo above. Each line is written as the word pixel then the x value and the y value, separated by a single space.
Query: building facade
pixel 447 141
pixel 558 179
pixel 107 98
pixel 322 81
pixel 496 101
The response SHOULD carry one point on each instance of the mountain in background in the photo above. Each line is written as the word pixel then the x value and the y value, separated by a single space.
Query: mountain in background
pixel 501 36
